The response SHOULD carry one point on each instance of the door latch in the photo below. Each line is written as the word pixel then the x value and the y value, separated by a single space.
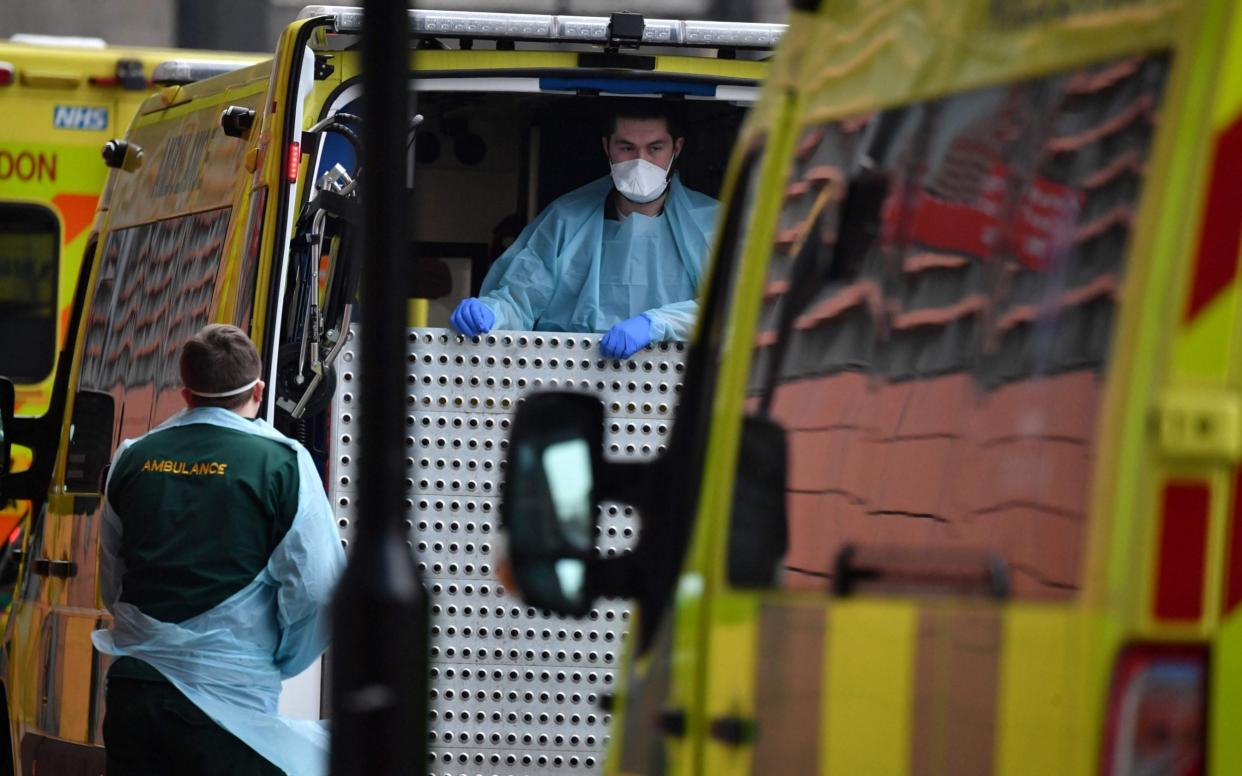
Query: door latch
pixel 733 730
pixel 62 569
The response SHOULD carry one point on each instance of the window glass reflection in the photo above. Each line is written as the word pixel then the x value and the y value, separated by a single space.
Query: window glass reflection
pixel 571 574
pixel 938 318
pixel 567 466
pixel 155 288
pixel 29 278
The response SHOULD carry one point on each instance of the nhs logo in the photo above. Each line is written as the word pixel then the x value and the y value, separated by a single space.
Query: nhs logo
pixel 80 117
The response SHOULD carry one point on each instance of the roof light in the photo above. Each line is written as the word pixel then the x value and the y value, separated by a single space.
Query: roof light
pixel 128 75
pixel 59 41
pixel 185 71
pixel 563 28
pixel 726 35
pixel 590 29
pixel 459 24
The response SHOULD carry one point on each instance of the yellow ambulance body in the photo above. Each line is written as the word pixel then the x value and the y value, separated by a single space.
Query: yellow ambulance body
pixel 962 414
pixel 61 99
pixel 232 200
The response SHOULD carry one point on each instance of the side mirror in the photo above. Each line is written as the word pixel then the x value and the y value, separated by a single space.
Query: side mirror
pixel 758 531
pixel 550 497
pixel 8 397
pixel 90 441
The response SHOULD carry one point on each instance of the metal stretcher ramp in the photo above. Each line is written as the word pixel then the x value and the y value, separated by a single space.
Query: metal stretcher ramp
pixel 512 691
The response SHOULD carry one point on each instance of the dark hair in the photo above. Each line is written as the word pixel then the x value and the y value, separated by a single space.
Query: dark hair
pixel 219 358
pixel 644 110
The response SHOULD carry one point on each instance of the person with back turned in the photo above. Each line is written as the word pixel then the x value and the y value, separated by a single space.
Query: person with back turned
pixel 218 556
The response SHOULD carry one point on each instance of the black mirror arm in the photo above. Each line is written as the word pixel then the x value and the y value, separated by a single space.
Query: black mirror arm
pixel 618 577
pixel 26 431
pixel 29 485
pixel 629 483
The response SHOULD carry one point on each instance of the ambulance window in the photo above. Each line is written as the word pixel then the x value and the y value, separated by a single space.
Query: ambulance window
pixel 29 254
pixel 938 319
pixel 155 288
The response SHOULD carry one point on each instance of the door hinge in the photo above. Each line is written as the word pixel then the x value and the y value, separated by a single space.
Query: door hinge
pixel 672 722
pixel 1199 423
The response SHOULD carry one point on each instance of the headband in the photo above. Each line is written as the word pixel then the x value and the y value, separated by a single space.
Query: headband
pixel 223 394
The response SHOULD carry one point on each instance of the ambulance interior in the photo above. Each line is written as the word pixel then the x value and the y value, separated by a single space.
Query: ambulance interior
pixel 484 163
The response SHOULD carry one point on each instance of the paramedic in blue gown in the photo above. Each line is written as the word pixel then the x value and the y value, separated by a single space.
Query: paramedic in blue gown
pixel 218 556
pixel 622 255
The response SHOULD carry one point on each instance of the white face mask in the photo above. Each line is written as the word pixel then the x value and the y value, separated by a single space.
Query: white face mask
pixel 639 180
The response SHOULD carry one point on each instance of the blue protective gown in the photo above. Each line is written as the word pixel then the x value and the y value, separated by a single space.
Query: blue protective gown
pixel 230 660
pixel 573 270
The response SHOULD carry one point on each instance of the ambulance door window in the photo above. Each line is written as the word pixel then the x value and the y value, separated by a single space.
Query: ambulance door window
pixel 936 332
pixel 337 149
pixel 155 288
pixel 29 256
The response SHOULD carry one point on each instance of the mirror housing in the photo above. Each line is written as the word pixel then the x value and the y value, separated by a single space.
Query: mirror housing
pixel 551 493
pixel 8 397
pixel 90 445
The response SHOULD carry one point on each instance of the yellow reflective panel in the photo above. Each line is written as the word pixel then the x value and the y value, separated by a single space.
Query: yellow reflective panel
pixel 487 60
pixel 1044 690
pixel 869 698
pixel 1205 343
pixel 730 688
pixel 1229 87
pixel 29 626
pixel 900 50
pixel 710 66
pixel 1199 222
pixel 1225 701
pixel 77 654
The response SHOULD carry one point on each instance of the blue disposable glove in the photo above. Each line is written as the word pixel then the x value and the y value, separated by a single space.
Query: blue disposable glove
pixel 627 337
pixel 472 317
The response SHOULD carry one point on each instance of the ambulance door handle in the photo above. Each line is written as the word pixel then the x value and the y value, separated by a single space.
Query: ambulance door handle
pixel 46 567
pixel 732 730
pixel 672 722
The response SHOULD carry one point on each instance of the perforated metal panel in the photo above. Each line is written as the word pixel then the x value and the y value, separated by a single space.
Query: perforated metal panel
pixel 512 691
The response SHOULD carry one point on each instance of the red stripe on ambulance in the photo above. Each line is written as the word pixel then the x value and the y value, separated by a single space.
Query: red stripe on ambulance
pixel 1221 237
pixel 1182 557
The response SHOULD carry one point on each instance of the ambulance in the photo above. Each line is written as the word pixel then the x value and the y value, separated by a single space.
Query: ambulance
pixel 954 485
pixel 62 98
pixel 235 199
